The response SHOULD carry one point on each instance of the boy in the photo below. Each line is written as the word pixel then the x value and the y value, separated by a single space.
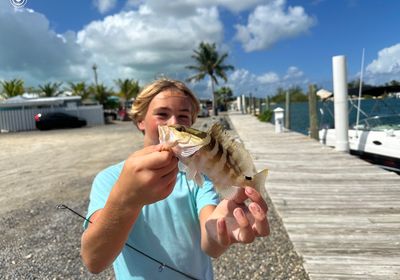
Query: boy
pixel 146 202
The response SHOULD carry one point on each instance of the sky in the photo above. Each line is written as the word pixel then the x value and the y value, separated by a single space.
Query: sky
pixel 271 43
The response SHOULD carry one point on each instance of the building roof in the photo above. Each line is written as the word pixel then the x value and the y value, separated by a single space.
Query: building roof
pixel 20 101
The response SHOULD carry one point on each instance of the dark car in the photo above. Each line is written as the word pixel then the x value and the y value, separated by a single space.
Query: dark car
pixel 54 120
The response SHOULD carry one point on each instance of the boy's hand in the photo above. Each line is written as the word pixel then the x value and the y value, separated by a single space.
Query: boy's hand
pixel 233 222
pixel 148 175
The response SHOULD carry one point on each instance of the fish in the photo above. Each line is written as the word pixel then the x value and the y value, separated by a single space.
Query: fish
pixel 215 154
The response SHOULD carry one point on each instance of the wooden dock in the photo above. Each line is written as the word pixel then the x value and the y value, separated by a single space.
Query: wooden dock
pixel 341 213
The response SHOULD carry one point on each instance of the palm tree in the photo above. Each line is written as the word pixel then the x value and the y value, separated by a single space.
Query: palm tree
pixel 12 88
pixel 224 94
pixel 101 94
pixel 128 88
pixel 50 89
pixel 79 89
pixel 209 62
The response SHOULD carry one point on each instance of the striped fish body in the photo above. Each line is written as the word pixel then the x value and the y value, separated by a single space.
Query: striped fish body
pixel 215 154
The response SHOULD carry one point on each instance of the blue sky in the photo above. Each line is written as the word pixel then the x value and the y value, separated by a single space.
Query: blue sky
pixel 271 43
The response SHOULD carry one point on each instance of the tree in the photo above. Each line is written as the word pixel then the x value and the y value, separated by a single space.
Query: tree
pixel 393 83
pixel 209 62
pixel 103 95
pixel 79 89
pixel 50 89
pixel 128 88
pixel 12 88
pixel 296 95
pixel 279 96
pixel 224 95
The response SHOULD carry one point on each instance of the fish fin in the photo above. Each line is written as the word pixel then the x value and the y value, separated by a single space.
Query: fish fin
pixel 259 180
pixel 228 193
pixel 182 167
pixel 198 178
pixel 188 151
pixel 191 173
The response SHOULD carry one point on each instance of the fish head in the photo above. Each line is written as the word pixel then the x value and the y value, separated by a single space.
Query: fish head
pixel 185 140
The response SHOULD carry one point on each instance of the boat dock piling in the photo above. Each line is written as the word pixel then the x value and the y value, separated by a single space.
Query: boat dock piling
pixel 341 213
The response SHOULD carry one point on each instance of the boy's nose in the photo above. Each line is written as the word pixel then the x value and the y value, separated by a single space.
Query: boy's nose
pixel 172 120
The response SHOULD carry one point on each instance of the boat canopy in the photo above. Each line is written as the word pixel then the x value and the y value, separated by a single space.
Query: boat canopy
pixel 374 91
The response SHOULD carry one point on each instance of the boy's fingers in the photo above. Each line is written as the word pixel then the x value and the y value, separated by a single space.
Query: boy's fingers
pixel 261 225
pixel 246 234
pixel 170 176
pixel 256 197
pixel 222 233
pixel 147 150
pixel 157 160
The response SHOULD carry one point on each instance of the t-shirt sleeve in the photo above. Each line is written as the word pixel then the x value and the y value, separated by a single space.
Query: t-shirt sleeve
pixel 101 188
pixel 206 195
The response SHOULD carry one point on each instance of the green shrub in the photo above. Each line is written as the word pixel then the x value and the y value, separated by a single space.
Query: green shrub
pixel 265 116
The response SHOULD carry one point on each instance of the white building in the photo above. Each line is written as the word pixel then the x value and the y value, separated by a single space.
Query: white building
pixel 17 113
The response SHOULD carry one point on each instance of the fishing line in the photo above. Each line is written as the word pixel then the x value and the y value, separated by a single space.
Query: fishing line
pixel 162 265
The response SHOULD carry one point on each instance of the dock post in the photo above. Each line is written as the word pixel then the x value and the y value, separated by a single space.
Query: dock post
pixel 340 102
pixel 287 110
pixel 239 104
pixel 279 118
pixel 312 107
pixel 244 104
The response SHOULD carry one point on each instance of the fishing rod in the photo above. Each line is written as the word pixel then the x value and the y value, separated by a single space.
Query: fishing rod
pixel 162 265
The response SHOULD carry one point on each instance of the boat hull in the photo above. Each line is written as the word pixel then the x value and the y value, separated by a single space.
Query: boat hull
pixel 379 147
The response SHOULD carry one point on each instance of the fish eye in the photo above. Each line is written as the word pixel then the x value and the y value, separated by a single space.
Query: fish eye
pixel 248 178
pixel 180 128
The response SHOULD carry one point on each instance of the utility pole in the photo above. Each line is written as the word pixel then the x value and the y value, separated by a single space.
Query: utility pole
pixel 94 67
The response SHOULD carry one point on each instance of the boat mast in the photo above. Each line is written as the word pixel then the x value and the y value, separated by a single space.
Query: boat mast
pixel 360 89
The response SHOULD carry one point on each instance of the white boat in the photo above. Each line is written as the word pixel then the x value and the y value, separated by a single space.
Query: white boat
pixel 374 138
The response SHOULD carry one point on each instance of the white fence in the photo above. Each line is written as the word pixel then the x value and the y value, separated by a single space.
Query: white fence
pixel 23 119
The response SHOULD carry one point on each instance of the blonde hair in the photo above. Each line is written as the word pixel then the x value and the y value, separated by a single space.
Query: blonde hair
pixel 141 104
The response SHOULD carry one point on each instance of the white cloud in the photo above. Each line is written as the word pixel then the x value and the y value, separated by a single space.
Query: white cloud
pixel 188 7
pixel 269 23
pixel 104 6
pixel 243 81
pixel 125 45
pixel 385 67
pixel 268 78
pixel 293 73
pixel 149 44
pixel 137 44
pixel 33 52
pixel 388 61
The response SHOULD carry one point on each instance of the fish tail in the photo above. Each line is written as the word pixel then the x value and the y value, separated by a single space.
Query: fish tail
pixel 259 180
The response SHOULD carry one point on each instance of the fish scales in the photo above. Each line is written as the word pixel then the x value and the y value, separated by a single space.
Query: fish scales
pixel 215 154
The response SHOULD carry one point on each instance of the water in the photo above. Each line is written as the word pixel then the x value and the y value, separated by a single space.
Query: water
pixel 299 116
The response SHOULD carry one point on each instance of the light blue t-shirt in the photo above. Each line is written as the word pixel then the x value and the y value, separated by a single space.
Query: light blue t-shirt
pixel 168 230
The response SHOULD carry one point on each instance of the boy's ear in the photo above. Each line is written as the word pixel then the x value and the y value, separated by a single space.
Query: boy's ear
pixel 141 125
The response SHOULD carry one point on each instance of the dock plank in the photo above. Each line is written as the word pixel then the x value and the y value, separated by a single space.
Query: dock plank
pixel 341 213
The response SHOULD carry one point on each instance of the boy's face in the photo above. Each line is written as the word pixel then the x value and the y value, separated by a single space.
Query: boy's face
pixel 167 108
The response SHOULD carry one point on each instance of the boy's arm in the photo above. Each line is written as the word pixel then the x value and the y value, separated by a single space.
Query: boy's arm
pixel 232 222
pixel 148 176
pixel 105 237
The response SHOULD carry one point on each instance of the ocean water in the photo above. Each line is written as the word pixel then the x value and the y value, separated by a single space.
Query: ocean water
pixel 299 116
